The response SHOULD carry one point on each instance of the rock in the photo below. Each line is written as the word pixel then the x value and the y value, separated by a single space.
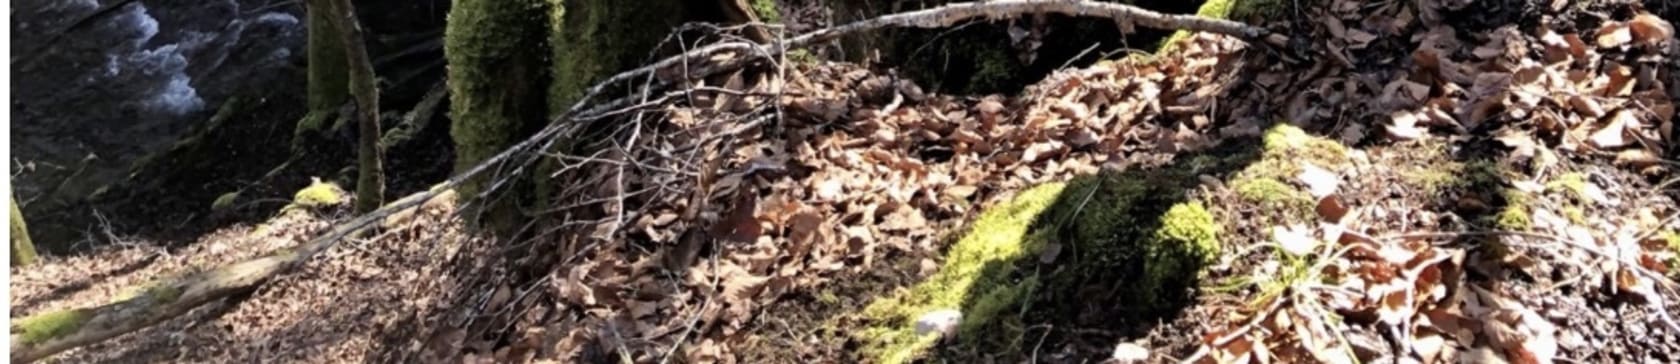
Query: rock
pixel 942 322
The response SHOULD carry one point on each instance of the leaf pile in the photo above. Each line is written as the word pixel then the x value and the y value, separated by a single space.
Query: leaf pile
pixel 700 211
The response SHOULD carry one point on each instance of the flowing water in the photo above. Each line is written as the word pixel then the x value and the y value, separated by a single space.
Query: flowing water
pixel 99 84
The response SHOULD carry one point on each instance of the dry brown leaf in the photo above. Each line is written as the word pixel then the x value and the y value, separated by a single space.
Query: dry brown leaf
pixel 1403 126
pixel 1037 151
pixel 742 224
pixel 1405 93
pixel 1621 81
pixel 1586 106
pixel 1638 158
pixel 1615 132
pixel 1522 145
pixel 1613 34
pixel 1331 209
pixel 1650 29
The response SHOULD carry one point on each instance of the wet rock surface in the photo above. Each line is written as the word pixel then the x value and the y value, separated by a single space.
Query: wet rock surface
pixel 101 84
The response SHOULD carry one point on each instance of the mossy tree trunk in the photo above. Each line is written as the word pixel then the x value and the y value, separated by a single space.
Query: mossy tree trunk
pixel 329 71
pixel 592 39
pixel 370 180
pixel 23 250
pixel 494 49
pixel 500 78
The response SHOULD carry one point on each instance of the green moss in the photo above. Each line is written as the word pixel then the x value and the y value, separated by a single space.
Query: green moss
pixel 1283 150
pixel 1223 9
pixel 161 291
pixel 1514 216
pixel 318 194
pixel 1672 238
pixel 828 298
pixel 46 326
pixel 1436 174
pixel 23 249
pixel 1575 215
pixel 315 123
pixel 978 265
pixel 1273 194
pixel 1431 180
pixel 767 11
pixel 1285 141
pixel 493 47
pixel 1572 184
pixel 996 70
pixel 592 39
pixel 1187 240
pixel 1134 238
pixel 224 201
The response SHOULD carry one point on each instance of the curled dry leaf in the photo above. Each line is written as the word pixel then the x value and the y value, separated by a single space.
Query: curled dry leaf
pixel 1650 29
pixel 1615 132
pixel 1613 34
pixel 1403 126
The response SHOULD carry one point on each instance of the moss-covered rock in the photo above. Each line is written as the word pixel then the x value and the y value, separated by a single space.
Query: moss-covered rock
pixel 1133 242
pixel 976 278
pixel 317 195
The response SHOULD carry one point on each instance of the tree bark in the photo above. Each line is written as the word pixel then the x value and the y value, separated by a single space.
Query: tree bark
pixel 23 249
pixel 329 73
pixel 494 49
pixel 370 180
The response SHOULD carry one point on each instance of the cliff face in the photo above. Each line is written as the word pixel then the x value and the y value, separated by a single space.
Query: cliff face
pixel 99 85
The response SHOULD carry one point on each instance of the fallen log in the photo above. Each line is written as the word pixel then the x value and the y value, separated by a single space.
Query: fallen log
pixel 40 335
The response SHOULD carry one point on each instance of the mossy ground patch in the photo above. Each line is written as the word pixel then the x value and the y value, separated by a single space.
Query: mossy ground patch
pixel 1132 245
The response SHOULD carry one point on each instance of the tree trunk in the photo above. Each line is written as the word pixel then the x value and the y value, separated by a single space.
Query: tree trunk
pixel 494 49
pixel 329 72
pixel 23 250
pixel 592 39
pixel 370 180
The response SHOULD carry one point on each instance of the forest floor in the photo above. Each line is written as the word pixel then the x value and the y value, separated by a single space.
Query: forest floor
pixel 1443 181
